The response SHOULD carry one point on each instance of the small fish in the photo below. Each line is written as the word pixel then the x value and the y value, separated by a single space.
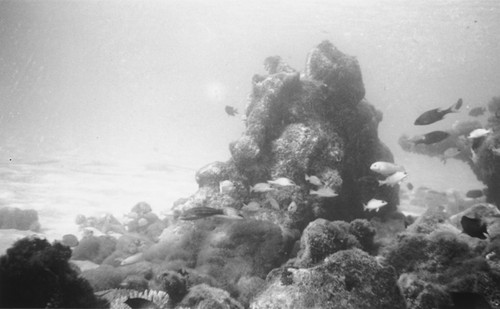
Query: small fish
pixel 394 179
pixel 431 137
pixel 141 303
pixel 252 206
pixel 409 186
pixel 133 259
pixel 374 204
pixel 474 193
pixel 324 192
pixel 226 187
pixel 474 227
pixel 477 133
pixel 281 182
pixel 386 168
pixel 495 151
pixel 230 110
pixel 477 111
pixel 274 203
pixel 261 187
pixel 437 114
pixel 449 153
pixel 292 207
pixel 196 213
pixel 314 180
pixel 468 300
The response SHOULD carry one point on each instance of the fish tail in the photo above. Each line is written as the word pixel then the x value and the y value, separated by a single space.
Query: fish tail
pixel 381 183
pixel 365 207
pixel 307 177
pixel 455 107
pixel 311 192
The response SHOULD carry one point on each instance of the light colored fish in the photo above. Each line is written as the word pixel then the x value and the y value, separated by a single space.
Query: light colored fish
pixel 226 186
pixel 252 206
pixel 394 179
pixel 386 168
pixel 133 259
pixel 477 133
pixel 261 187
pixel 314 180
pixel 292 207
pixel 374 204
pixel 324 192
pixel 281 182
pixel 274 203
pixel 495 151
pixel 449 153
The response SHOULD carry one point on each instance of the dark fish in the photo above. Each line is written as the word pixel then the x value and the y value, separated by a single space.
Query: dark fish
pixel 474 193
pixel 468 300
pixel 231 111
pixel 141 303
pixel 437 114
pixel 409 186
pixel 196 213
pixel 431 137
pixel 477 111
pixel 474 227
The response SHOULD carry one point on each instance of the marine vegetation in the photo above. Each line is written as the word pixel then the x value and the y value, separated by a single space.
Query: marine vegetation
pixel 36 274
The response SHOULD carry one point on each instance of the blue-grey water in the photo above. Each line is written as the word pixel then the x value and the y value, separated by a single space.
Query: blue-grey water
pixel 107 103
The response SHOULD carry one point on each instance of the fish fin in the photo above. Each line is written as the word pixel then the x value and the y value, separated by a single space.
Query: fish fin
pixel 381 183
pixel 376 210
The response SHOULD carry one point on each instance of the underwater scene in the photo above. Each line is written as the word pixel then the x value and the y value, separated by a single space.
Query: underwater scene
pixel 250 154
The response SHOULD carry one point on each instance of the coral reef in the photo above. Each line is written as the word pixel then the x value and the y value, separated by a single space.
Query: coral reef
pixel 15 218
pixel 346 279
pixel 36 274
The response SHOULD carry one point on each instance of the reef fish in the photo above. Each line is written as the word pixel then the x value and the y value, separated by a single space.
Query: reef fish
pixel 386 168
pixel 437 114
pixel 230 110
pixel 477 133
pixel 409 186
pixel 252 206
pixel 281 182
pixel 261 187
pixel 324 192
pixel 374 204
pixel 474 227
pixel 431 137
pixel 201 212
pixel 314 180
pixel 477 111
pixel 474 193
pixel 226 186
pixel 394 179
pixel 141 303
pixel 133 259
pixel 449 153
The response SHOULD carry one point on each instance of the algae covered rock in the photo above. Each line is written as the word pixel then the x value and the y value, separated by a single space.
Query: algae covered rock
pixel 346 279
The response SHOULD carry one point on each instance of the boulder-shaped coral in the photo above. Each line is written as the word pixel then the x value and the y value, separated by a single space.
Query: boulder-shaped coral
pixel 322 238
pixel 36 274
pixel 340 73
pixel 15 218
pixel 346 279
